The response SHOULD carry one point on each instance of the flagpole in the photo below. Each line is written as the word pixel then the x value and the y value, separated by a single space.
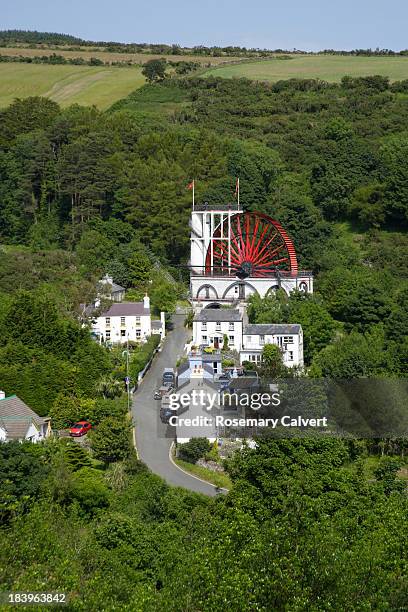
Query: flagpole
pixel 238 191
pixel 193 192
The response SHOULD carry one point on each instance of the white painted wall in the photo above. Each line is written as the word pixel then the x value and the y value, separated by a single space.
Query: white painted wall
pixel 291 345
pixel 204 333
pixel 228 288
pixel 135 328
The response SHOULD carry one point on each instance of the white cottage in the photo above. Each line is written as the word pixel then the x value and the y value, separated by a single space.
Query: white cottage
pixel 289 338
pixel 124 321
pixel 19 422
pixel 212 324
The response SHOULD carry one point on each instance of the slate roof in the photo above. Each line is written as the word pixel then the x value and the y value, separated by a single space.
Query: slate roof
pixel 218 314
pixel 271 329
pixel 16 417
pixel 114 287
pixel 126 309
pixel 117 288
pixel 211 357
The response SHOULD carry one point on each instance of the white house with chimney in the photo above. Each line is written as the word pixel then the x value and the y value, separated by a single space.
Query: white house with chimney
pixel 127 321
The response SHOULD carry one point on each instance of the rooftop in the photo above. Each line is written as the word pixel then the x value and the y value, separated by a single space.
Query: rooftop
pixel 263 329
pixel 16 417
pixel 126 309
pixel 218 314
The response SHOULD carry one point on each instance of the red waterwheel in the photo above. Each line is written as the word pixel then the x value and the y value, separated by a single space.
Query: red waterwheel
pixel 258 247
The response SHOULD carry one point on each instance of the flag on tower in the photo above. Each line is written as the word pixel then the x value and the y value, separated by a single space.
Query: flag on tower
pixel 192 186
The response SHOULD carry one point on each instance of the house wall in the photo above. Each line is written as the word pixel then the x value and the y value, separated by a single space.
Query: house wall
pixel 206 333
pixel 291 345
pixel 34 434
pixel 3 435
pixel 119 329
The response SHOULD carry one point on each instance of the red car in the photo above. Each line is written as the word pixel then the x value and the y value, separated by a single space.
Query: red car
pixel 80 429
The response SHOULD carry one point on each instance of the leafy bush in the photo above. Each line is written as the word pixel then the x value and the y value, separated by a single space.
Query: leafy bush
pixel 194 450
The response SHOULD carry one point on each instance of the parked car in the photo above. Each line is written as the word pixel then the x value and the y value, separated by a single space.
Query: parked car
pixel 80 429
pixel 157 395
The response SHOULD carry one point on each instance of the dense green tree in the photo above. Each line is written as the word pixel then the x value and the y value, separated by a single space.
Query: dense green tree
pixel 155 70
pixel 354 356
pixel 94 251
pixel 111 440
pixel 394 172
pixel 272 361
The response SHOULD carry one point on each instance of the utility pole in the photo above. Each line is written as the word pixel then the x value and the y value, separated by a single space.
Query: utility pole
pixel 127 379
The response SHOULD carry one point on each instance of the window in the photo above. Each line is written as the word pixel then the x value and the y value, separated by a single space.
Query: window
pixel 231 327
pixel 107 321
pixel 290 355
pixel 204 326
pixel 288 339
pixel 231 339
pixel 236 289
pixel 261 339
pixel 108 335
pixel 215 366
pixel 122 321
pixel 218 326
pixel 137 320
pixel 204 338
pixel 123 332
pixel 138 334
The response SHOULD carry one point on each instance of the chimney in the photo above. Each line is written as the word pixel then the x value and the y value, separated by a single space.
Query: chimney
pixel 2 395
pixel 146 302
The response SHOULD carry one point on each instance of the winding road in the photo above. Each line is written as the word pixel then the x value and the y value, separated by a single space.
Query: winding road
pixel 154 438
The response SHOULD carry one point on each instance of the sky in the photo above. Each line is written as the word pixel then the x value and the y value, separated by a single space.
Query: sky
pixel 302 24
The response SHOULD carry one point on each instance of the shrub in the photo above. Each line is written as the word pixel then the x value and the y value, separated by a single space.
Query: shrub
pixel 194 450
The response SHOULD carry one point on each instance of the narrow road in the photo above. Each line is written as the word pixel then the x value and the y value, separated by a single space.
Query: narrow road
pixel 154 438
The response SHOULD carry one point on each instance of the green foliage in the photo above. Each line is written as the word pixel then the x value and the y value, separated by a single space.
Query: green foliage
pixel 75 456
pixel 194 450
pixel 141 355
pixel 154 70
pixel 89 490
pixel 94 251
pixel 272 361
pixel 394 172
pixel 110 441
pixel 22 472
pixel 354 356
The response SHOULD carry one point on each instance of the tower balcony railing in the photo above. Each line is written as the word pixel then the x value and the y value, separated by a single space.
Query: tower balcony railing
pixel 232 273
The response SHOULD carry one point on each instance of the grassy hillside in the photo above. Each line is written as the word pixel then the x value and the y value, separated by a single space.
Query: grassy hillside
pixel 326 67
pixel 100 86
pixel 112 56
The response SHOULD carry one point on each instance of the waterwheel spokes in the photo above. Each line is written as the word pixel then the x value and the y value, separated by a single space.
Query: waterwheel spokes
pixel 255 240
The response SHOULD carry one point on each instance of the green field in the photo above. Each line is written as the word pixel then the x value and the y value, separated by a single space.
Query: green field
pixel 326 67
pixel 87 85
